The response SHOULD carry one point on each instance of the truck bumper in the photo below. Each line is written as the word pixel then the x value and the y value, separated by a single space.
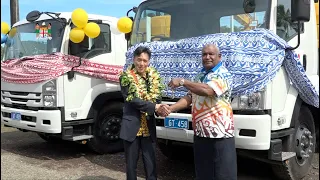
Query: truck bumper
pixel 252 132
pixel 45 121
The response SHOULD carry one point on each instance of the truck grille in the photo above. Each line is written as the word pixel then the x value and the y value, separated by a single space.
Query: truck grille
pixel 21 100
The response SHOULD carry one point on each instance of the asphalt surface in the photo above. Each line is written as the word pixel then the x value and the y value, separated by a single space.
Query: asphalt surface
pixel 26 156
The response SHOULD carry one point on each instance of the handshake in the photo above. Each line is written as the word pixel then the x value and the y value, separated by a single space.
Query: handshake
pixel 163 110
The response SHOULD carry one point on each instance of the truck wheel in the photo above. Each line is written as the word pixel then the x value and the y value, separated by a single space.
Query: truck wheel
pixel 50 139
pixel 106 130
pixel 303 143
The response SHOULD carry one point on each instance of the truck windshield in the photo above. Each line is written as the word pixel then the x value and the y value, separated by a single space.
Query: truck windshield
pixel 161 20
pixel 40 37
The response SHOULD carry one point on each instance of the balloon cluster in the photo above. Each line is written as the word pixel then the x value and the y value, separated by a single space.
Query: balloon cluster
pixel 79 18
pixel 5 32
pixel 124 24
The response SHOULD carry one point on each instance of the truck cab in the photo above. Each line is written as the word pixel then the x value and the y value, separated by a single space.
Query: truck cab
pixel 71 105
pixel 269 124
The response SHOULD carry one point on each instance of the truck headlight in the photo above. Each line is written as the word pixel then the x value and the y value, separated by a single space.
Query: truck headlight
pixel 50 86
pixel 254 101
pixel 49 100
pixel 49 94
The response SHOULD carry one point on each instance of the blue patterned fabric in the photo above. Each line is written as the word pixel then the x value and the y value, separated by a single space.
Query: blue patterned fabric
pixel 252 57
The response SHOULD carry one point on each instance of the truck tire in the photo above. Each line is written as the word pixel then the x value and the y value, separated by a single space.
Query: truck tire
pixel 50 139
pixel 106 130
pixel 303 143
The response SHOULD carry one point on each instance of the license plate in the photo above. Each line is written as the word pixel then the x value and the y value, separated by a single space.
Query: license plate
pixel 176 123
pixel 16 116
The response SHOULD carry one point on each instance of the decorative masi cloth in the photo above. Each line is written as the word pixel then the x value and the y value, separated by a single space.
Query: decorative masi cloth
pixel 252 57
pixel 35 69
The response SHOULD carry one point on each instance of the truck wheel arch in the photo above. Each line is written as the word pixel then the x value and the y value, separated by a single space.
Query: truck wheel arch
pixel 296 111
pixel 315 114
pixel 297 167
pixel 103 99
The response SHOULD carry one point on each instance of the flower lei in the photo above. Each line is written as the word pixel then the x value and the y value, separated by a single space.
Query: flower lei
pixel 148 90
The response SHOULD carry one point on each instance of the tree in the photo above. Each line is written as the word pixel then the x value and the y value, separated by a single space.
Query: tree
pixel 226 29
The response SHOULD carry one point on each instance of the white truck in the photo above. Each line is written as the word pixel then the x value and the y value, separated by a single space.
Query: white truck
pixel 273 125
pixel 73 106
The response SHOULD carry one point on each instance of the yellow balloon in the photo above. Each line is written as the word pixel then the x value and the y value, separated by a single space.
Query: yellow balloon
pixel 124 25
pixel 76 35
pixel 5 28
pixel 79 17
pixel 92 30
pixel 12 32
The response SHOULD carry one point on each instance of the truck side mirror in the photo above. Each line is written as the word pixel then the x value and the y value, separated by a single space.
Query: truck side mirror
pixel 300 10
pixel 33 16
pixel 135 9
pixel 249 6
pixel 128 35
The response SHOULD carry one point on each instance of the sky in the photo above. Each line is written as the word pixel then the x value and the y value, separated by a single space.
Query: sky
pixel 116 8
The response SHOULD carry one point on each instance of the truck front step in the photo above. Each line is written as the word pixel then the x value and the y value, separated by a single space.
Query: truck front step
pixel 287 155
pixel 82 137
pixel 275 152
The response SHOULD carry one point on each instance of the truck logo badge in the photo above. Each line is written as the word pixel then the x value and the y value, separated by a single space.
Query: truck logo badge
pixel 73 114
pixel 43 31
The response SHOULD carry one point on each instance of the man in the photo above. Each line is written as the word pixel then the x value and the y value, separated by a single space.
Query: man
pixel 212 117
pixel 141 89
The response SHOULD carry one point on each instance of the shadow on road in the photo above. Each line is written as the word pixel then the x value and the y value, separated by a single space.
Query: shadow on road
pixel 95 178
pixel 32 146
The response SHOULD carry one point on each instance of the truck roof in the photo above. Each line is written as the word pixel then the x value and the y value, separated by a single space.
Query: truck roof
pixel 67 15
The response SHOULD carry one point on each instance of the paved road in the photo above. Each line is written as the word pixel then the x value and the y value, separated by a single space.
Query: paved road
pixel 26 156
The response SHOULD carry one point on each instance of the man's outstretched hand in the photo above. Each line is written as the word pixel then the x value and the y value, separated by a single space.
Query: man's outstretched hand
pixel 163 110
pixel 174 83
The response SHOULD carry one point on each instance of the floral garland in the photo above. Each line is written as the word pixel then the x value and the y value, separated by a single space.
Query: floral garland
pixel 148 90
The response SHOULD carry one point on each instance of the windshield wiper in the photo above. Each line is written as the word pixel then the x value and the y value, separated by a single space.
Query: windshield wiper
pixel 57 18
pixel 35 15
